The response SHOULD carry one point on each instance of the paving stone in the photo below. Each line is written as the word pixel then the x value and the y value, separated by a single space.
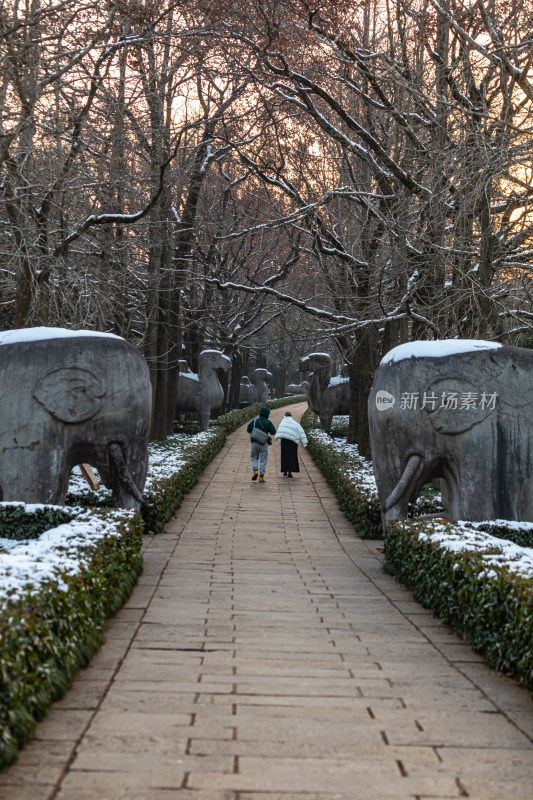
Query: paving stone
pixel 324 775
pixel 84 695
pixel 266 655
pixel 62 724
pixel 40 791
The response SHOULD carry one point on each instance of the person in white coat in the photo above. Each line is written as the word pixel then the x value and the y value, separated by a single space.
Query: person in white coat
pixel 290 433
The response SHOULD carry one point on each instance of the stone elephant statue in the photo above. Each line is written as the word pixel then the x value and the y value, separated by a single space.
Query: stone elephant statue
pixel 461 411
pixel 72 397
pixel 202 392
pixel 326 396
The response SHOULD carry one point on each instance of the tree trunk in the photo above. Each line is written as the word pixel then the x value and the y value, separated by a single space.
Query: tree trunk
pixel 236 375
pixel 362 365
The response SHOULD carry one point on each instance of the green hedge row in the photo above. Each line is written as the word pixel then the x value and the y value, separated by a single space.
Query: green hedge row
pixel 46 635
pixel 473 585
pixel 165 496
pixel 356 500
pixel 16 523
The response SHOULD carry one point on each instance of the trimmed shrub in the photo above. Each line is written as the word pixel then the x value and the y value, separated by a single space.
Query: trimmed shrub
pixel 478 583
pixel 164 495
pixel 350 477
pixel 18 521
pixel 49 631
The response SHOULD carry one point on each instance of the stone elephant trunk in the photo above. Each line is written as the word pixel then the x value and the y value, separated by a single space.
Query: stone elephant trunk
pixel 72 397
pixel 461 412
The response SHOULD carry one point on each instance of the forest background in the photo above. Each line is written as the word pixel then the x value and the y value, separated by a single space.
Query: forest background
pixel 267 178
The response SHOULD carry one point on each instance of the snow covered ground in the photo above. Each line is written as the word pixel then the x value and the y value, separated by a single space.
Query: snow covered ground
pixel 25 565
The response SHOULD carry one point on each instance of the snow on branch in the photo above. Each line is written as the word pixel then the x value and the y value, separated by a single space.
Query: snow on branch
pixel 346 323
pixel 117 218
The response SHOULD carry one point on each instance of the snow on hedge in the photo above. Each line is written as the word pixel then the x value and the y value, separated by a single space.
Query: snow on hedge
pixel 25 565
pixel 462 537
pixel 362 473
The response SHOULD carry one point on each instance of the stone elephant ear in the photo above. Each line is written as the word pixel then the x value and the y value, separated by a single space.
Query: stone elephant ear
pixel 455 405
pixel 70 394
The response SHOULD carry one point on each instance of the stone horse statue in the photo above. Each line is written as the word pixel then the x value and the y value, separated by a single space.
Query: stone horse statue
pixel 203 393
pixel 259 387
pixel 298 388
pixel 326 396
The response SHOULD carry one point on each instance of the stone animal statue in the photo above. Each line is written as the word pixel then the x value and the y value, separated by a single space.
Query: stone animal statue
pixel 202 392
pixel 245 391
pixel 461 411
pixel 184 367
pixel 326 396
pixel 67 398
pixel 259 386
pixel 298 388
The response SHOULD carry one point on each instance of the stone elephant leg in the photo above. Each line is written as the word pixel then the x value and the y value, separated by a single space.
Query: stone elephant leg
pixel 325 421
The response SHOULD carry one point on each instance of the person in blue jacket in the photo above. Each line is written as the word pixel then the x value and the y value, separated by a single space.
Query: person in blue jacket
pixel 260 430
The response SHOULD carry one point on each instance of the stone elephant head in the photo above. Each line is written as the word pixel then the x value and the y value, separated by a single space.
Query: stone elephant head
pixel 71 397
pixel 460 411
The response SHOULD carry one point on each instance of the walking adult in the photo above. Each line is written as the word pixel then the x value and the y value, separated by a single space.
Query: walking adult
pixel 290 434
pixel 260 430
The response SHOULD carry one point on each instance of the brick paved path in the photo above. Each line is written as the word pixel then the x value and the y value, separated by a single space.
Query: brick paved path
pixel 266 656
